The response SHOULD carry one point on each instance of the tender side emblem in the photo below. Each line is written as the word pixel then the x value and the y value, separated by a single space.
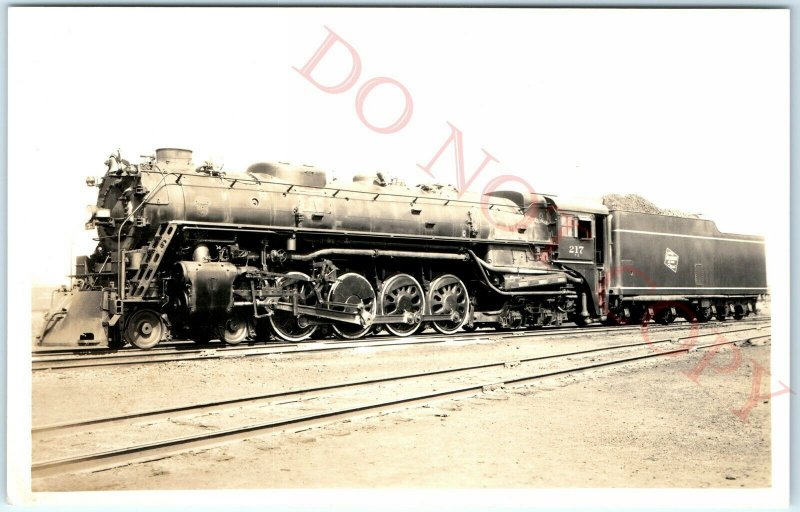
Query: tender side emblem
pixel 671 260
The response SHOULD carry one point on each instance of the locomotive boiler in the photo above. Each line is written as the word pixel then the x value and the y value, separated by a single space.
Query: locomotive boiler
pixel 282 252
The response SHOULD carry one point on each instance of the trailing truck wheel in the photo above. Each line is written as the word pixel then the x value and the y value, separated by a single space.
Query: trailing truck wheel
pixel 401 294
pixel 352 288
pixel 145 329
pixel 236 329
pixel 448 296
pixel 284 324
pixel 580 321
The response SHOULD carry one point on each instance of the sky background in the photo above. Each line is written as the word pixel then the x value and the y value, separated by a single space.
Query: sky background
pixel 688 108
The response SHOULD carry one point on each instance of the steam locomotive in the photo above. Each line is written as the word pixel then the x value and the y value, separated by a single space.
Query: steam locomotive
pixel 279 252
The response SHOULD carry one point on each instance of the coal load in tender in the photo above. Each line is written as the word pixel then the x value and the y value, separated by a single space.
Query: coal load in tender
pixel 636 203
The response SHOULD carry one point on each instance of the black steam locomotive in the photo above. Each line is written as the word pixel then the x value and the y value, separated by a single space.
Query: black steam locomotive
pixel 278 252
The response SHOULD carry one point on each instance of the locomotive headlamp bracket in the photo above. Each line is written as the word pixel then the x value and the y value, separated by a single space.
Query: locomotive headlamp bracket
pixel 98 216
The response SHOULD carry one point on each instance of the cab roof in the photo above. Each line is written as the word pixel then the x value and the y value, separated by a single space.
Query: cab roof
pixel 578 205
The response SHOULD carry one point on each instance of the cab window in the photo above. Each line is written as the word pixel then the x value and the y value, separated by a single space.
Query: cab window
pixel 584 229
pixel 569 226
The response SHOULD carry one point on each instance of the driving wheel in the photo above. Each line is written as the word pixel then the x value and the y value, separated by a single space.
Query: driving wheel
pixel 284 324
pixel 448 296
pixel 402 294
pixel 354 289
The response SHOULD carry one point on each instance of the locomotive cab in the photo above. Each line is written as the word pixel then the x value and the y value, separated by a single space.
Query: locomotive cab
pixel 581 239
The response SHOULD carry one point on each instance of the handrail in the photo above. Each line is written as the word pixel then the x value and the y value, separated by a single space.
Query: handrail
pixel 337 190
pixel 120 261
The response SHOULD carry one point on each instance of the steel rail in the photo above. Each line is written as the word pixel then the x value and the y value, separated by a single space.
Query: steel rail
pixel 130 351
pixel 139 357
pixel 185 346
pixel 163 449
pixel 83 353
pixel 68 426
pixel 161 348
pixel 221 353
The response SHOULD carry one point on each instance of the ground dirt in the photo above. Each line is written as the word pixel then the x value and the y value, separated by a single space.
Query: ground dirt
pixel 645 424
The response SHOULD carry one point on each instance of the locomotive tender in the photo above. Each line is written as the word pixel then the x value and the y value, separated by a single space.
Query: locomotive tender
pixel 279 252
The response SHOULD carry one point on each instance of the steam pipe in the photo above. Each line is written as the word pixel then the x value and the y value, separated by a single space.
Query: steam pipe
pixel 584 307
pixel 502 292
pixel 516 270
pixel 378 253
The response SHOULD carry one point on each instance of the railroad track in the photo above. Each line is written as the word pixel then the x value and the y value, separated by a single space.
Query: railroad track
pixel 179 346
pixel 305 408
pixel 191 351
pixel 182 346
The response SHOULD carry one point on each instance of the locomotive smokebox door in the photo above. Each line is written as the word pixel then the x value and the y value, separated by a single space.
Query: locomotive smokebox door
pixel 76 318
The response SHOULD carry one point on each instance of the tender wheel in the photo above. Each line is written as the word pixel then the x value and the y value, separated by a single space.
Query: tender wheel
pixel 402 294
pixel 352 288
pixel 283 323
pixel 703 315
pixel 145 328
pixel 665 316
pixel 448 295
pixel 236 329
pixel 639 316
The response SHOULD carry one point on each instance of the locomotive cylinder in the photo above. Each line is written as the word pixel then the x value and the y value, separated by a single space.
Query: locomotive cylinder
pixel 208 287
